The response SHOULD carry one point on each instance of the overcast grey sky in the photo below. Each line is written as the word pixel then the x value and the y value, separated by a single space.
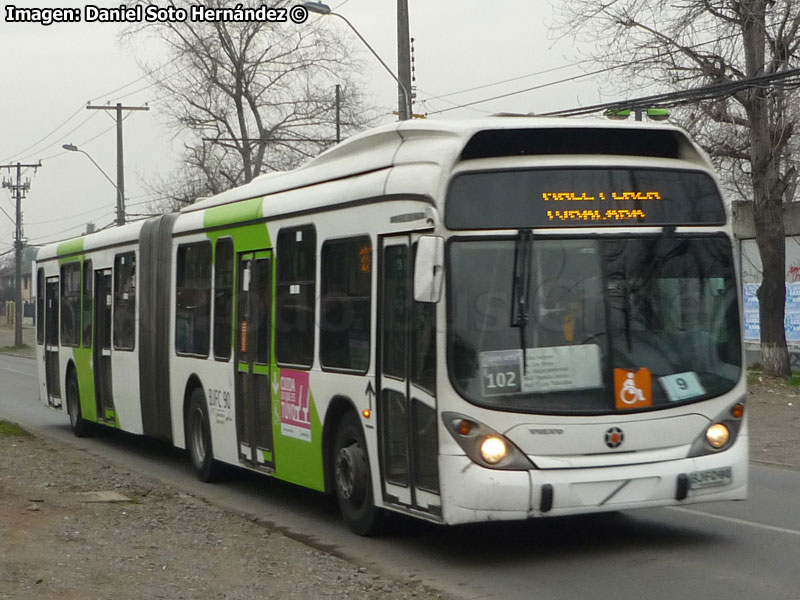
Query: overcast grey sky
pixel 50 73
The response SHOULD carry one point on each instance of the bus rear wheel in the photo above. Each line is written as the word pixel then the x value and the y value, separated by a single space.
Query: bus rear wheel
pixel 352 480
pixel 80 427
pixel 198 438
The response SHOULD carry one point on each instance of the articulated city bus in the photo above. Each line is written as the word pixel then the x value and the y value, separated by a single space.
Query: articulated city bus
pixel 458 321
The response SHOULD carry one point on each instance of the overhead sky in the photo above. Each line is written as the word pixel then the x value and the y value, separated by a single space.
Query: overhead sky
pixel 50 73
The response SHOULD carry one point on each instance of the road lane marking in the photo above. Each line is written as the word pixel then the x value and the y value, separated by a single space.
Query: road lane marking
pixel 20 372
pixel 737 521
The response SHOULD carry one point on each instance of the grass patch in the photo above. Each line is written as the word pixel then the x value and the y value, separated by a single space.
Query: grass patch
pixel 13 348
pixel 12 430
pixel 22 350
pixel 753 376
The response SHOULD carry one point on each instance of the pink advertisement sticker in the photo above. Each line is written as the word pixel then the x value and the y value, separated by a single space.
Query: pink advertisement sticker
pixel 295 406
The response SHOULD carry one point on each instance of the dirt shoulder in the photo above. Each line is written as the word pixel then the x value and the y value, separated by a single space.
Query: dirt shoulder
pixel 147 540
pixel 774 409
pixel 27 350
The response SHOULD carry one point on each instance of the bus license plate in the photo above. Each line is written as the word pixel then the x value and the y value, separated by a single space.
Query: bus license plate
pixel 710 478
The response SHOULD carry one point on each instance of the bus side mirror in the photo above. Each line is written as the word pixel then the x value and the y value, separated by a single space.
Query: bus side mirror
pixel 428 269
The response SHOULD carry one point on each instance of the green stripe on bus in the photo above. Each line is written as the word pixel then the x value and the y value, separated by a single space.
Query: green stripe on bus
pixel 237 212
pixel 70 247
pixel 85 372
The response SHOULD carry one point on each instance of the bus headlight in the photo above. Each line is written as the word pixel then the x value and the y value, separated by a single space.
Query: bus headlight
pixel 718 435
pixel 722 433
pixel 485 446
pixel 493 450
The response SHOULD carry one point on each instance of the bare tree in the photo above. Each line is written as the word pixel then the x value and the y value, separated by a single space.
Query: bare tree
pixel 683 44
pixel 248 97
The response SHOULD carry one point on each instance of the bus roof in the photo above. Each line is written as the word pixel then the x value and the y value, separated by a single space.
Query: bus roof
pixel 444 143
pixel 424 150
pixel 116 236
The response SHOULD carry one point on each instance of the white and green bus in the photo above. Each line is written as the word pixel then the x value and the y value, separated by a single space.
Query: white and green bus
pixel 458 321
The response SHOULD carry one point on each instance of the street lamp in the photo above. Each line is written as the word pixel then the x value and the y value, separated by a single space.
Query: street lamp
pixel 321 8
pixel 120 199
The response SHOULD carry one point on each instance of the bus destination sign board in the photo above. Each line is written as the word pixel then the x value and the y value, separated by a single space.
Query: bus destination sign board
pixel 582 197
pixel 598 206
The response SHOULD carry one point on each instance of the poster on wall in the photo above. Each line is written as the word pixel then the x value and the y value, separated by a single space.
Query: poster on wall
pixel 791 321
pixel 751 278
pixel 752 328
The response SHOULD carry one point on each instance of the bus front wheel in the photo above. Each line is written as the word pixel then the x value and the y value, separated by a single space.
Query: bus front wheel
pixel 352 480
pixel 198 438
pixel 80 427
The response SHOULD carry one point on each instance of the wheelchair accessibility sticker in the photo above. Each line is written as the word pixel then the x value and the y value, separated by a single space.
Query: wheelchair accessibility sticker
pixel 632 389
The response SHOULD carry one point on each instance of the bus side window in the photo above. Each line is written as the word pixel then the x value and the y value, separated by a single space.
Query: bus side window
pixel 223 298
pixel 88 299
pixel 296 293
pixel 346 281
pixel 124 301
pixel 423 342
pixel 70 304
pixel 193 299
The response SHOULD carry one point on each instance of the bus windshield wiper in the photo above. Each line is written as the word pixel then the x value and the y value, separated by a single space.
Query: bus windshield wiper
pixel 521 283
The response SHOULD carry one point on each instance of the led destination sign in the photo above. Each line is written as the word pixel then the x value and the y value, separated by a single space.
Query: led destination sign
pixel 593 214
pixel 584 197
pixel 572 216
pixel 570 197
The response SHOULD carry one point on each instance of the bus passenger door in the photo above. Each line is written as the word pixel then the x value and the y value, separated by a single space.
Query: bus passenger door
pixel 101 348
pixel 51 342
pixel 406 406
pixel 252 389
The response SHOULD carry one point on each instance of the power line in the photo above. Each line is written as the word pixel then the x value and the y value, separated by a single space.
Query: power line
pixel 501 82
pixel 145 76
pixel 84 142
pixel 530 89
pixel 73 130
pixel 77 111
pixel 46 136
pixel 787 79
pixel 581 76
pixel 6 214
pixel 44 241
pixel 83 214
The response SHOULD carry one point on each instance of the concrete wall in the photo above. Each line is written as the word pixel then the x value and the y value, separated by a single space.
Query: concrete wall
pixel 744 229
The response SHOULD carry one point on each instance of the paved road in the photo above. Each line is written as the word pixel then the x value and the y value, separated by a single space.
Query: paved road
pixel 725 551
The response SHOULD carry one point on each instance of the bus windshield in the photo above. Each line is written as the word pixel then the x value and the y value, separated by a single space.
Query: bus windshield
pixel 613 323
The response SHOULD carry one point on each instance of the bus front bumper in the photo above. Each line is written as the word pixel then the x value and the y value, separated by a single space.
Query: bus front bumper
pixel 472 493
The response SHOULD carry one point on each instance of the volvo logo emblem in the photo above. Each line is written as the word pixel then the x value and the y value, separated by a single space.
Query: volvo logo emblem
pixel 614 437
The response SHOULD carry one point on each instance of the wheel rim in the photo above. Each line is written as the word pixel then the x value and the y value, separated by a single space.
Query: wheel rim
pixel 72 403
pixel 351 474
pixel 198 437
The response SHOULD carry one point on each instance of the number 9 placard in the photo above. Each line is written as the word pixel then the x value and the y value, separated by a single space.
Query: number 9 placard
pixel 682 386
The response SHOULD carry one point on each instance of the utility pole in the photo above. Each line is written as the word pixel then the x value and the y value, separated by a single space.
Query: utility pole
pixel 120 162
pixel 18 191
pixel 404 108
